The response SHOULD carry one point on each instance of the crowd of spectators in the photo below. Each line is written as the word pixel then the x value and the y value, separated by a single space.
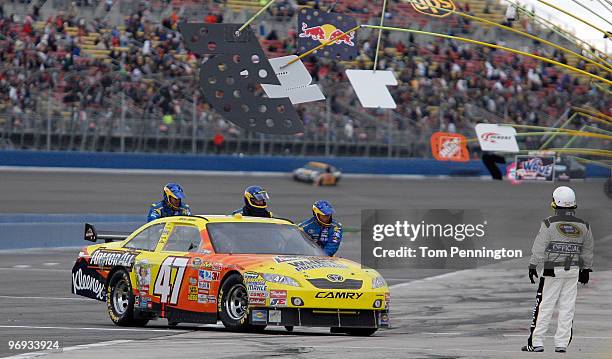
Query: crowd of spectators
pixel 146 61
pixel 439 80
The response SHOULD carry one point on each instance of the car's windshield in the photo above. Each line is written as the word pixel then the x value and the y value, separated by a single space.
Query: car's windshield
pixel 260 238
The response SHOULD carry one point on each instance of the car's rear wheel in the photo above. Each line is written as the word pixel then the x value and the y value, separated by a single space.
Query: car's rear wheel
pixel 120 300
pixel 234 305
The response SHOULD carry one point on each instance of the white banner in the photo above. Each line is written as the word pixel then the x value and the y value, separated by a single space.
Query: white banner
pixel 371 87
pixel 496 138
pixel 295 82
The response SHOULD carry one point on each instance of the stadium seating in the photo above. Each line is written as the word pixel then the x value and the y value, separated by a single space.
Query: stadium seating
pixel 439 80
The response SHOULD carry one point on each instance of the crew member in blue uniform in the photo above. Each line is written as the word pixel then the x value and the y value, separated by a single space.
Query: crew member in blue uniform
pixel 322 228
pixel 172 204
pixel 255 203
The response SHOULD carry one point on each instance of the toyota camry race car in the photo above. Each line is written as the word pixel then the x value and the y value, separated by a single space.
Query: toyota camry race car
pixel 318 173
pixel 247 272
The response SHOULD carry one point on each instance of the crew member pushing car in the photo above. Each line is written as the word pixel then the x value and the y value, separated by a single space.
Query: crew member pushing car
pixel 172 203
pixel 564 246
pixel 255 203
pixel 322 228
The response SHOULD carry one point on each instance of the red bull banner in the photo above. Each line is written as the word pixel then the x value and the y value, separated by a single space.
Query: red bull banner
pixel 449 147
pixel 316 27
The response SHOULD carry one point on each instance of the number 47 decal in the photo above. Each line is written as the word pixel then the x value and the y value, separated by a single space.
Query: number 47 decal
pixel 164 287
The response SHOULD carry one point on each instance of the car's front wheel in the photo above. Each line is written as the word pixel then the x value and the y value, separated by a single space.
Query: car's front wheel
pixel 234 305
pixel 120 300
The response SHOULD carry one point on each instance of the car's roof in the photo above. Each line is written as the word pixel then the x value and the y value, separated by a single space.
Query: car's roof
pixel 217 218
pixel 317 164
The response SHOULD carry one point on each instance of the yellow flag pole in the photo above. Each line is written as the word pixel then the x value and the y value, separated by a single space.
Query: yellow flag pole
pixel 586 151
pixel 254 16
pixel 585 134
pixel 551 138
pixel 596 119
pixel 522 33
pixel 571 133
pixel 557 30
pixel 578 112
pixel 382 20
pixel 544 59
pixel 601 88
pixel 597 129
pixel 592 112
pixel 597 163
pixel 606 33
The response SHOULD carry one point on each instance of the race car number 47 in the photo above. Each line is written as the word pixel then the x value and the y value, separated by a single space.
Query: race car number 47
pixel 164 287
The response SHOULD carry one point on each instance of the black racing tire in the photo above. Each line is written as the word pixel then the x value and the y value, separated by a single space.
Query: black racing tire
pixel 608 187
pixel 120 301
pixel 361 332
pixel 233 304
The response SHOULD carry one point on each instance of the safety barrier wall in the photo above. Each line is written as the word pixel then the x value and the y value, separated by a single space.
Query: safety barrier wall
pixel 18 231
pixel 352 165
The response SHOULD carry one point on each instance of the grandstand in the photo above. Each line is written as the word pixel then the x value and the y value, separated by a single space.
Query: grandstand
pixel 93 76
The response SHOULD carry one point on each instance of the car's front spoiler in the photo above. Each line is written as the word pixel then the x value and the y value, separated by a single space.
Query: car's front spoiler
pixel 309 317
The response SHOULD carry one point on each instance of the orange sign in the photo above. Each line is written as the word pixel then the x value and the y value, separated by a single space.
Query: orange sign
pixel 449 147
pixel 425 7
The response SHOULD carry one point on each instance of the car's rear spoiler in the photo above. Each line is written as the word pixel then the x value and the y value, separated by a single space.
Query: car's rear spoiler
pixel 93 236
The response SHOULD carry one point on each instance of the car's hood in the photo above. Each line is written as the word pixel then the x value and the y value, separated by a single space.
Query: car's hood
pixel 308 267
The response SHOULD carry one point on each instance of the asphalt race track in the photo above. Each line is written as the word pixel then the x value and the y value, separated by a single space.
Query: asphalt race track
pixel 477 313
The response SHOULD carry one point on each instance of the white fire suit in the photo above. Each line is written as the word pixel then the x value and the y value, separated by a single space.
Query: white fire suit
pixel 564 246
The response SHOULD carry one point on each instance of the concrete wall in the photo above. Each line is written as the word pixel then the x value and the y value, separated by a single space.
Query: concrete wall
pixel 19 231
pixel 381 166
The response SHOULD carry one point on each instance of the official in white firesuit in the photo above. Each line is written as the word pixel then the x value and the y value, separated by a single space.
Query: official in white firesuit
pixel 564 247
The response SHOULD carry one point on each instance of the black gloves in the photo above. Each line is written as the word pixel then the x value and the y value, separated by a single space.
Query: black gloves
pixel 583 276
pixel 532 272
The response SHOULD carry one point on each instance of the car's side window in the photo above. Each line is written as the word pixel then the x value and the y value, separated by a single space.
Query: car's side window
pixel 147 239
pixel 183 238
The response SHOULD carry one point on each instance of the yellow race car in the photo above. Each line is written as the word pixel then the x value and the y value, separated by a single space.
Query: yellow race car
pixel 318 173
pixel 247 272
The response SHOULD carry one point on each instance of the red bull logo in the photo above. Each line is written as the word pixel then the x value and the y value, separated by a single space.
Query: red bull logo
pixel 327 32
pixel 426 7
